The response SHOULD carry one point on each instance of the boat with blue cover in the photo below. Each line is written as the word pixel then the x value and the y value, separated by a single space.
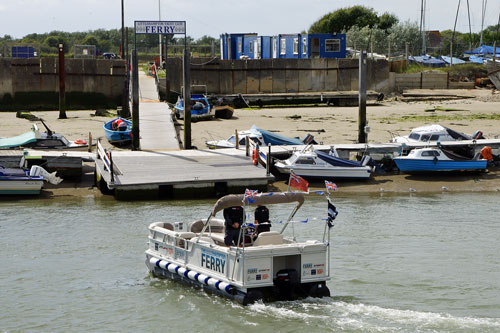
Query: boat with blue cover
pixel 118 131
pixel 267 266
pixel 313 164
pixel 200 108
pixel 23 181
pixel 438 159
pixel 275 139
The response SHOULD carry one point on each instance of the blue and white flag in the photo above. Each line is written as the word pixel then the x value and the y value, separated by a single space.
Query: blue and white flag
pixel 332 213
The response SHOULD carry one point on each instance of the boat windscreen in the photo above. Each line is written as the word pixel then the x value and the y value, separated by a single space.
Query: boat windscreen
pixel 457 135
pixel 261 199
pixel 337 161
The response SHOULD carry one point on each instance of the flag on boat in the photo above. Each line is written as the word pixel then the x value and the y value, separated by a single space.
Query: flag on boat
pixel 298 182
pixel 330 186
pixel 332 213
pixel 250 195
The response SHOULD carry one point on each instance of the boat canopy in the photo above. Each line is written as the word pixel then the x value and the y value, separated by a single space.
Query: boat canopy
pixel 261 199
pixel 19 140
pixel 336 161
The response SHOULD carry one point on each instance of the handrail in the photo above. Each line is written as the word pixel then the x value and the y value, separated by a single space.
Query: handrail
pixel 106 158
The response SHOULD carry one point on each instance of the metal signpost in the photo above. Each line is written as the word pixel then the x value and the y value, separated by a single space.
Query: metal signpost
pixel 161 28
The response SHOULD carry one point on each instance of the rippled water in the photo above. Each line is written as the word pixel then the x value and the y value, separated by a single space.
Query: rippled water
pixel 399 263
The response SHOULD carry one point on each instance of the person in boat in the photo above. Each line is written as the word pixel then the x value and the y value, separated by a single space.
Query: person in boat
pixel 115 125
pixel 262 219
pixel 233 219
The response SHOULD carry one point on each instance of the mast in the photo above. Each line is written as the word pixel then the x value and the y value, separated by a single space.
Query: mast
pixel 453 35
pixel 483 12
pixel 470 29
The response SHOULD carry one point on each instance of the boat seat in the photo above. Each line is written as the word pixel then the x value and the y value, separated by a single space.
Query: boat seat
pixel 216 225
pixel 269 238
pixel 166 225
pixel 181 236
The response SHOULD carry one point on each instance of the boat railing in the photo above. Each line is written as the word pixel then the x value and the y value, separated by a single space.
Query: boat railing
pixel 106 158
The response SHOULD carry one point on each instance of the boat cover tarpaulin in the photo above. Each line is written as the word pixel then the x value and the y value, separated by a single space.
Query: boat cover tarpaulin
pixel 278 139
pixel 484 49
pixel 336 161
pixel 261 199
pixel 428 61
pixel 19 140
pixel 456 61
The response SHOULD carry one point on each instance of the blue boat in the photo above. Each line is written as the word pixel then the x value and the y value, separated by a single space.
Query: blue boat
pixel 279 140
pixel 118 134
pixel 200 108
pixel 436 159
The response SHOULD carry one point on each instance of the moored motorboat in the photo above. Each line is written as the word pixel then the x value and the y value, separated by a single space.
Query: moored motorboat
pixel 200 108
pixel 435 133
pixel 35 139
pixel 118 131
pixel 267 267
pixel 253 134
pixel 22 181
pixel 438 159
pixel 309 163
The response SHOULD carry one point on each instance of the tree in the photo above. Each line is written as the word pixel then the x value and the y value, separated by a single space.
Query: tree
pixel 345 18
pixel 387 21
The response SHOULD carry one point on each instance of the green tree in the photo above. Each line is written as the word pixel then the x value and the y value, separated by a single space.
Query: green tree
pixel 345 18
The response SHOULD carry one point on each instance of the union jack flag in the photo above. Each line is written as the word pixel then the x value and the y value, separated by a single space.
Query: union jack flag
pixel 251 193
pixel 330 186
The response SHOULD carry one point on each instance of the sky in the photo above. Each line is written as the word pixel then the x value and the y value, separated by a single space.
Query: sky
pixel 214 17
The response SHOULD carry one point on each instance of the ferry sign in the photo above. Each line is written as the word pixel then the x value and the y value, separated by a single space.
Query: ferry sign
pixel 160 27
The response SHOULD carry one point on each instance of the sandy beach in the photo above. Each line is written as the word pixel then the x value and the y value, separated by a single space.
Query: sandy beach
pixel 329 125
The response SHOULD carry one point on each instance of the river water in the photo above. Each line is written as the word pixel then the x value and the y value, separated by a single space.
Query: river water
pixel 399 264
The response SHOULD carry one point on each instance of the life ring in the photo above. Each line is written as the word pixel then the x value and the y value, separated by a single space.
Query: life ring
pixel 255 159
pixel 80 142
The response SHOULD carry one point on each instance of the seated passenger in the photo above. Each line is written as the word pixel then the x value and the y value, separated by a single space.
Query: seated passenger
pixel 116 124
pixel 262 219
pixel 233 217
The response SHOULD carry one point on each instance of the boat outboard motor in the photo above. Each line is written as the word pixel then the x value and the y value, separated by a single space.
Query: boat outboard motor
pixel 285 283
pixel 262 217
pixel 477 135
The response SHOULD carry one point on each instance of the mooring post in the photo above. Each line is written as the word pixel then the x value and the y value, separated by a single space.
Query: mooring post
pixel 362 98
pixel 237 139
pixel 247 146
pixel 135 102
pixel 268 160
pixel 187 101
pixel 62 84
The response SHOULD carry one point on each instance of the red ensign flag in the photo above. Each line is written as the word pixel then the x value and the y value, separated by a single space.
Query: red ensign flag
pixel 298 182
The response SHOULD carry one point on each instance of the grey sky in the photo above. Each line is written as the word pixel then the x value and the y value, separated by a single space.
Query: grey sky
pixel 213 17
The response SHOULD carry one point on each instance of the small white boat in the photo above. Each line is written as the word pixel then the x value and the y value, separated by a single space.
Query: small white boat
pixel 252 133
pixel 434 133
pixel 311 164
pixel 269 267
pixel 436 159
pixel 22 181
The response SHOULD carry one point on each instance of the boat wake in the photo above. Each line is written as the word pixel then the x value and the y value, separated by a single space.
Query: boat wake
pixel 349 316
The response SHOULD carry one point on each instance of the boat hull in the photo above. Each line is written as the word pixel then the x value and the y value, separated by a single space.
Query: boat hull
pixel 21 186
pixel 418 165
pixel 322 173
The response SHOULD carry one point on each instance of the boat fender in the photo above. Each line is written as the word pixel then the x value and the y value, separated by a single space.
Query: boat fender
pixel 202 278
pixel 80 142
pixel 193 275
pixel 182 271
pixel 212 282
pixel 254 157
pixel 172 268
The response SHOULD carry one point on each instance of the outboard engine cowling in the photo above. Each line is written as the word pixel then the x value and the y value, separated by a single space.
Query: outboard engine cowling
pixel 477 135
pixel 285 283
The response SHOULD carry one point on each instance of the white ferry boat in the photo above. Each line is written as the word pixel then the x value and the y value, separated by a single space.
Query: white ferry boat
pixel 269 267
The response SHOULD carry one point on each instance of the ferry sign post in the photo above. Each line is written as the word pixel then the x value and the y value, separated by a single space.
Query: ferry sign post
pixel 162 28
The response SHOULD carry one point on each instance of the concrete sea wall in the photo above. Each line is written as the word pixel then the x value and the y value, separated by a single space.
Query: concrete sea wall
pixel 34 83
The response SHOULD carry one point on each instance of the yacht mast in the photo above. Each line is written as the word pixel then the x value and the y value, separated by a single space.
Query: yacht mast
pixel 483 11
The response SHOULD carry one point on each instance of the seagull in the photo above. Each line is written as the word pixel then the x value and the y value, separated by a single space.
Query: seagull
pixel 412 189
pixel 382 189
pixel 444 188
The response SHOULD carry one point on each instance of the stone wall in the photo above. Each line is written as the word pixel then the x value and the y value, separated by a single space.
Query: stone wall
pixel 278 75
pixel 34 83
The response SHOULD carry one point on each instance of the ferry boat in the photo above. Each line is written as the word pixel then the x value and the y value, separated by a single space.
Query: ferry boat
pixel 270 267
